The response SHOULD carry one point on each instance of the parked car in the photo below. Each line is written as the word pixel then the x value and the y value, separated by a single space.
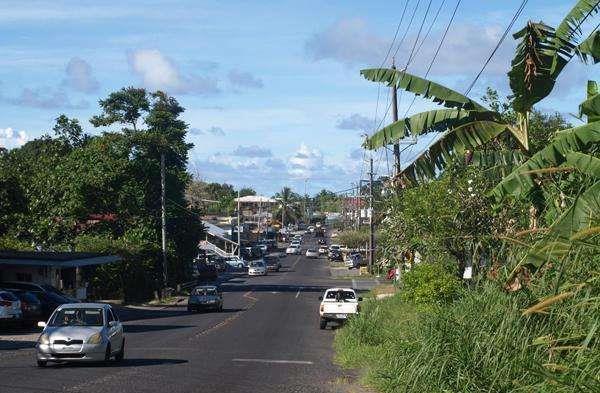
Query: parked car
pixel 335 256
pixel 257 268
pixel 334 247
pixel 79 332
pixel 10 307
pixel 48 296
pixel 353 260
pixel 235 262
pixel 337 305
pixel 322 242
pixel 312 253
pixel 31 306
pixel 293 250
pixel 205 297
pixel 205 272
pixel 32 287
pixel 323 250
pixel 218 261
pixel 273 264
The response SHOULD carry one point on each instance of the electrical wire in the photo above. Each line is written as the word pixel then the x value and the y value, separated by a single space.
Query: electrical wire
pixel 500 41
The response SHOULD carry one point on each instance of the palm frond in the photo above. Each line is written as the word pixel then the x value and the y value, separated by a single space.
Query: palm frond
pixel 519 183
pixel 438 120
pixel 454 142
pixel 423 87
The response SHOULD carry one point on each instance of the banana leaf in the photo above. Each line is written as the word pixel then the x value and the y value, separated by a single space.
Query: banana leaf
pixel 569 29
pixel 585 163
pixel 583 214
pixel 553 155
pixel 589 49
pixel 423 87
pixel 490 158
pixel 591 106
pixel 438 120
pixel 454 142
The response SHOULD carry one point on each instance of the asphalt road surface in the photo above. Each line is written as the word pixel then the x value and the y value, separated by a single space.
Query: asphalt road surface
pixel 266 340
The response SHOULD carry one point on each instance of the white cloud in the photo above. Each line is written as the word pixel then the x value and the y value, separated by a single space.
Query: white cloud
pixel 305 162
pixel 348 41
pixel 158 72
pixel 44 98
pixel 80 77
pixel 356 122
pixel 9 138
pixel 252 151
pixel 244 79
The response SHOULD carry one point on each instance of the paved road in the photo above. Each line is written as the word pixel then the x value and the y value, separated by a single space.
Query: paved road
pixel 266 340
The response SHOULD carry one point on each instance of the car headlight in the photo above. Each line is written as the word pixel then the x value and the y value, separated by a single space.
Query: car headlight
pixel 44 339
pixel 95 338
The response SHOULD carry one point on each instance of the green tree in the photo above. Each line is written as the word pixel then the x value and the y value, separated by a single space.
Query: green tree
pixel 288 207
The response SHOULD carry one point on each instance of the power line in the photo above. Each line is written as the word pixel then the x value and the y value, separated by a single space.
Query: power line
pixel 437 51
pixel 510 25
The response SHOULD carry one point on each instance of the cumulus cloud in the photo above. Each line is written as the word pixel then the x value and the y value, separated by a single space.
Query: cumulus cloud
pixel 244 79
pixel 348 41
pixel 9 138
pixel 158 72
pixel 305 162
pixel 79 76
pixel 216 131
pixel 44 98
pixel 355 122
pixel 252 151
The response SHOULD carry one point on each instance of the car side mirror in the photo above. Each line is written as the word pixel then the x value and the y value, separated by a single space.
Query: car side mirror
pixel 41 324
pixel 320 297
pixel 360 299
pixel 112 324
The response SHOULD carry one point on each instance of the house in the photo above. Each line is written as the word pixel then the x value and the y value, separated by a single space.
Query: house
pixel 64 270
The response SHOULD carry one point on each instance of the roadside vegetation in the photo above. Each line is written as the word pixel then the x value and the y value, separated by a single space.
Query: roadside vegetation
pixel 511 196
pixel 70 191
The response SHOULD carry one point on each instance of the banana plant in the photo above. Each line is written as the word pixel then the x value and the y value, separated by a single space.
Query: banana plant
pixel 541 55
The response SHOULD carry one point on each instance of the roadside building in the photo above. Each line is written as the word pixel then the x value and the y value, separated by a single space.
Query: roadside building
pixel 64 270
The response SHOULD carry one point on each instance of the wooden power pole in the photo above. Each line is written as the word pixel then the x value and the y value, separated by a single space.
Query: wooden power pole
pixel 163 218
pixel 371 222
pixel 395 119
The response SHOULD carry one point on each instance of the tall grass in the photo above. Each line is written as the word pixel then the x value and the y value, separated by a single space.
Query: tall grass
pixel 481 342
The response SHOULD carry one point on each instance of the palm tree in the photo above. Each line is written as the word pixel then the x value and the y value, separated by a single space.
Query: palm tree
pixel 465 124
pixel 287 205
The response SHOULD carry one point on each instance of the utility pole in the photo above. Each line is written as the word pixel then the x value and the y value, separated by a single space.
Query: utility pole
pixel 163 215
pixel 239 250
pixel 305 200
pixel 371 223
pixel 395 119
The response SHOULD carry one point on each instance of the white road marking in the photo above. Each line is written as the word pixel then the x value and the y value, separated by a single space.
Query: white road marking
pixel 298 293
pixel 272 361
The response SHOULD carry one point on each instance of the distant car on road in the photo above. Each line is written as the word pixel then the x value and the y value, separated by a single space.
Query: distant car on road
pixel 10 307
pixel 205 272
pixel 235 262
pixel 312 253
pixel 205 297
pixel 80 332
pixel 293 250
pixel 273 264
pixel 257 268
pixel 36 288
pixel 337 305
pixel 353 260
pixel 335 256
pixel 323 250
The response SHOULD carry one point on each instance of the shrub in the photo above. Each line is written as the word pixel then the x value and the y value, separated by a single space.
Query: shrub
pixel 429 283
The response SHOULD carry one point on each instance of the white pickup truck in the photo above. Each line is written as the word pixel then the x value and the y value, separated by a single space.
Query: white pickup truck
pixel 337 305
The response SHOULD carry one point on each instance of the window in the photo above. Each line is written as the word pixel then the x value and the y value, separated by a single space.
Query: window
pixel 340 295
pixel 110 315
pixel 24 277
pixel 77 317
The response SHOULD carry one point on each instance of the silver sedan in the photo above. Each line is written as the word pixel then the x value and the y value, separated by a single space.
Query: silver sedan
pixel 79 332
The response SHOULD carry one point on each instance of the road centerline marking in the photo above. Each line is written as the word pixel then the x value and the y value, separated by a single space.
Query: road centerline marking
pixel 298 293
pixel 272 361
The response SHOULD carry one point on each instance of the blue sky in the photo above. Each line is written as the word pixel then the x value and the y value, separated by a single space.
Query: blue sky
pixel 272 89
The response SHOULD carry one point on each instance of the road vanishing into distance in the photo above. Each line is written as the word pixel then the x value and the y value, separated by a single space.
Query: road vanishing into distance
pixel 267 339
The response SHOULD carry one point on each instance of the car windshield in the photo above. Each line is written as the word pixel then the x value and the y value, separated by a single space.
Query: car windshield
pixel 340 295
pixel 312 250
pixel 8 296
pixel 78 317
pixel 27 297
pixel 204 292
pixel 256 264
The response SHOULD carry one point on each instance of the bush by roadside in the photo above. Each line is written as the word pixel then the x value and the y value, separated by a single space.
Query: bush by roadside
pixel 480 343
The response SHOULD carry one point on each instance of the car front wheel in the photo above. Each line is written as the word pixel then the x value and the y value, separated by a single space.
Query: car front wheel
pixel 119 356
